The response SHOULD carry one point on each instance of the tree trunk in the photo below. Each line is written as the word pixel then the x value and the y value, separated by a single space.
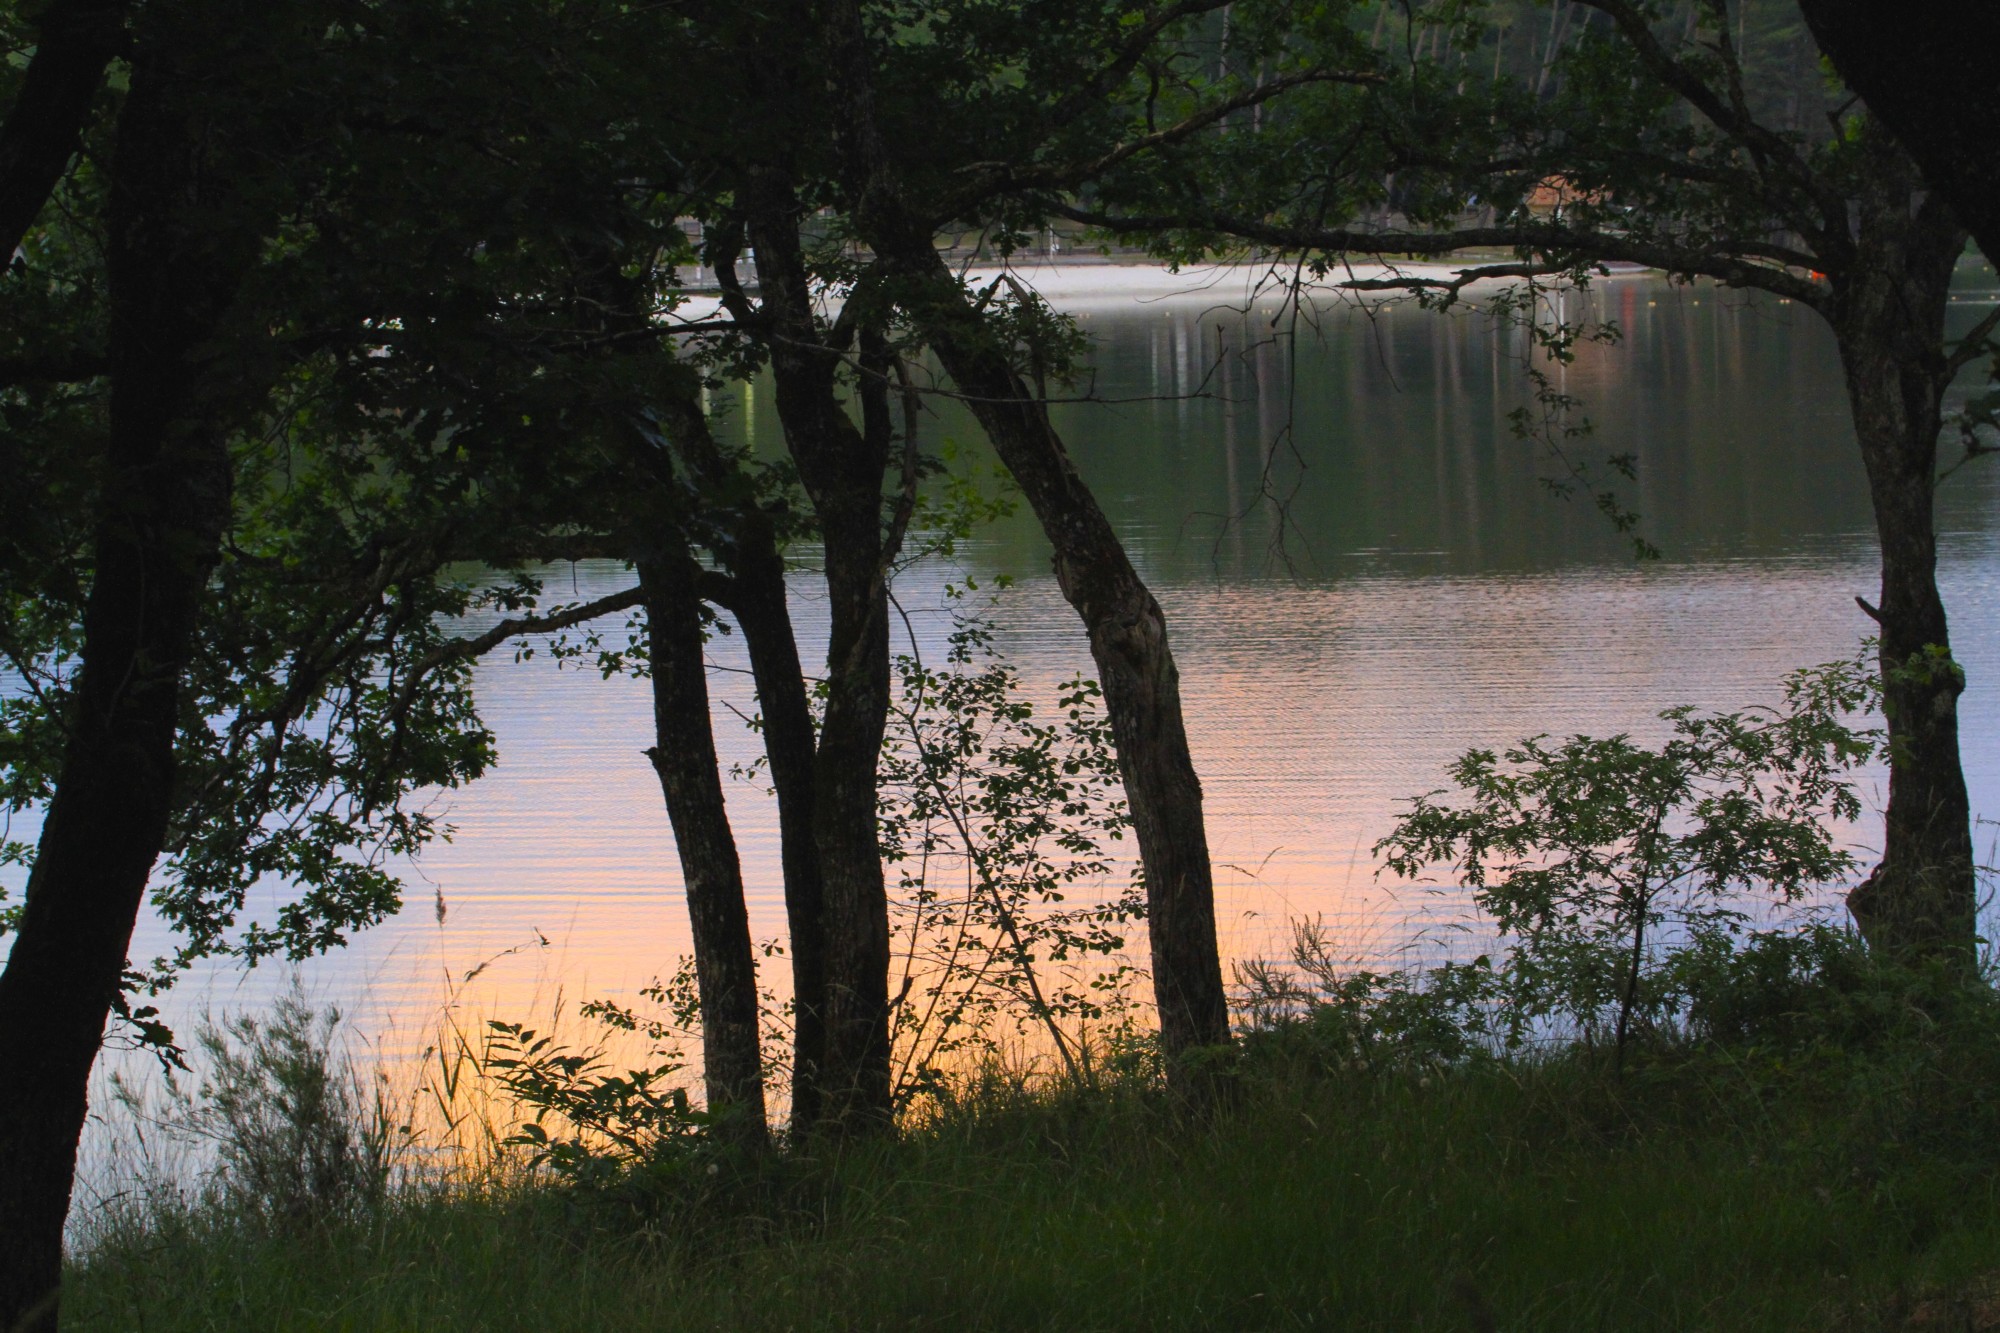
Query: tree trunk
pixel 758 602
pixel 684 757
pixel 1927 73
pixel 1128 633
pixel 74 41
pixel 1888 316
pixel 1128 642
pixel 842 468
pixel 746 543
pixel 179 246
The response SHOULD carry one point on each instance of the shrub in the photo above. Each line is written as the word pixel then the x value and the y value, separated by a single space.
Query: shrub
pixel 1597 858
pixel 298 1140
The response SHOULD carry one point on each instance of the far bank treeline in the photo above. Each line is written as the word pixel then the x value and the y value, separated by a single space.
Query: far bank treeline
pixel 309 301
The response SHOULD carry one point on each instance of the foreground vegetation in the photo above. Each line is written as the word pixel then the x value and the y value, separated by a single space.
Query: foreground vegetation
pixel 323 325
pixel 1635 1111
pixel 1814 1145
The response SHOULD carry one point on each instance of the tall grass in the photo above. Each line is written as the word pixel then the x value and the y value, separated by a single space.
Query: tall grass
pixel 1820 1151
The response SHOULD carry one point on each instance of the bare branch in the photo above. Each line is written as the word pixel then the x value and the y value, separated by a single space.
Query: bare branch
pixel 1736 264
pixel 1977 342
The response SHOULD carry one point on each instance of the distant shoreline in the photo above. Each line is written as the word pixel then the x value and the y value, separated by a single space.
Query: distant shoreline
pixel 1075 283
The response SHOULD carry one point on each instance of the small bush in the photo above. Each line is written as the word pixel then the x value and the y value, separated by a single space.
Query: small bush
pixel 300 1142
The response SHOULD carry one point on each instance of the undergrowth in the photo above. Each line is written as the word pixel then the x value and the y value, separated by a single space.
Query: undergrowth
pixel 1815 1147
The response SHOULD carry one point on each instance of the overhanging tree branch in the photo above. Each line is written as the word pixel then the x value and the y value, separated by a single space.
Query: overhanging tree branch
pixel 71 366
pixel 1127 58
pixel 478 645
pixel 1738 264
pixel 1454 285
pixel 1976 343
pixel 565 618
pixel 1770 150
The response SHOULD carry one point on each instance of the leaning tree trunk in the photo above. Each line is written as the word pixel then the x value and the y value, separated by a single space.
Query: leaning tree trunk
pixel 1128 635
pixel 684 757
pixel 842 467
pixel 178 249
pixel 753 591
pixel 1135 663
pixel 757 600
pixel 75 40
pixel 1921 899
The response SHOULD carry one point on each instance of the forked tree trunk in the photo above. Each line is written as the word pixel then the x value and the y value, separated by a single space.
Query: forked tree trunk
pixel 732 522
pixel 179 247
pixel 842 467
pixel 753 591
pixel 1128 633
pixel 1889 313
pixel 685 759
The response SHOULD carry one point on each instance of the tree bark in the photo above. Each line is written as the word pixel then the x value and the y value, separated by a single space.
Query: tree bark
pixel 74 41
pixel 180 243
pixel 757 600
pixel 685 759
pixel 842 467
pixel 1128 635
pixel 1927 72
pixel 1128 643
pixel 661 533
pixel 754 592
pixel 1920 901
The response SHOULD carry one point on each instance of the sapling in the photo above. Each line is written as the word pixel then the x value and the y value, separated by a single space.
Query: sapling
pixel 992 818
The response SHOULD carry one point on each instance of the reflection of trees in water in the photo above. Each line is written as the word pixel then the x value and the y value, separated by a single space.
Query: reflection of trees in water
pixel 1388 433
pixel 1385 435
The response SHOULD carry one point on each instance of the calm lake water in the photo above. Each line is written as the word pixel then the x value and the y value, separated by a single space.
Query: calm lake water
pixel 1418 591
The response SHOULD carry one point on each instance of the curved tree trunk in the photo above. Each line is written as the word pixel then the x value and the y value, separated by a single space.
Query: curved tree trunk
pixel 179 246
pixel 1128 642
pixel 685 760
pixel 1889 319
pixel 1921 899
pixel 74 41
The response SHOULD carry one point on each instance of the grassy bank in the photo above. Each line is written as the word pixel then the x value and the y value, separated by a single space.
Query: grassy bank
pixel 1839 1178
